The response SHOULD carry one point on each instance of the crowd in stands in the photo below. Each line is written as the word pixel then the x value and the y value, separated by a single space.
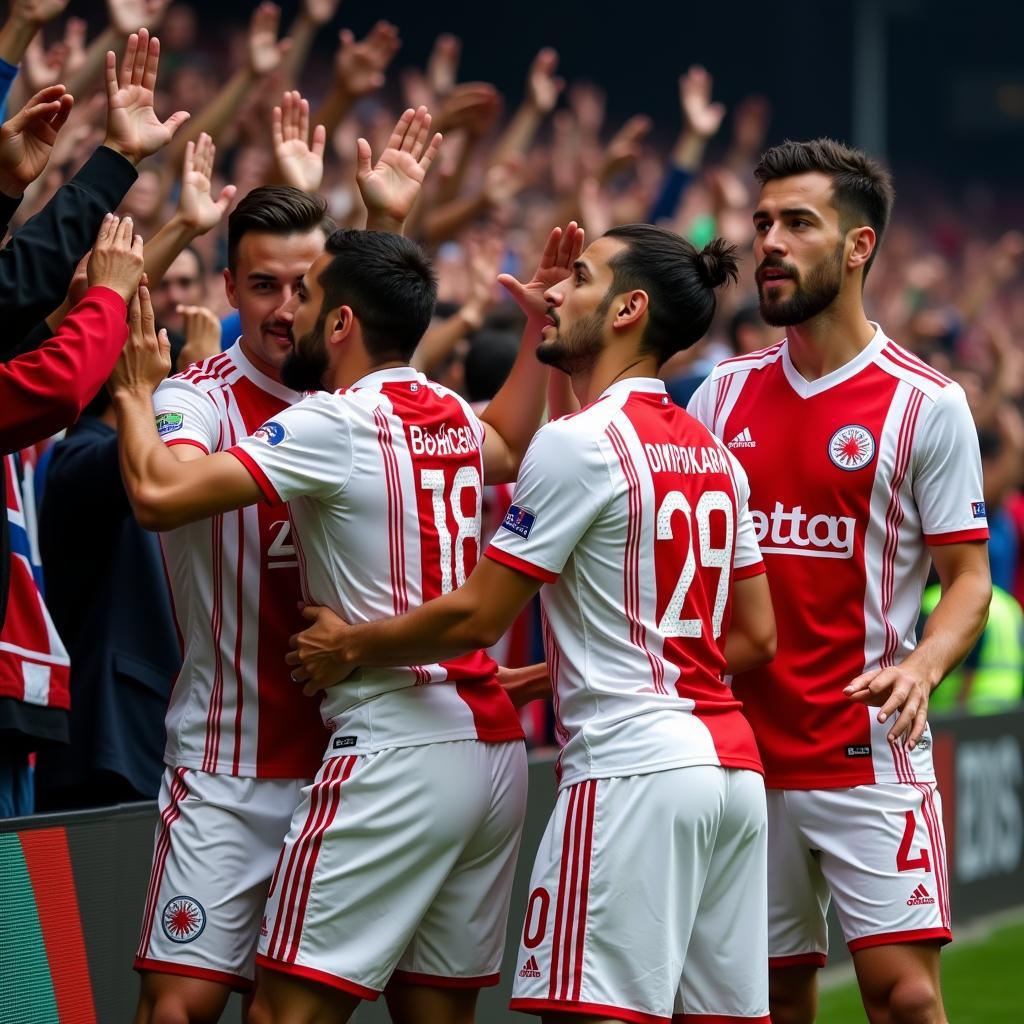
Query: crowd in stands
pixel 264 107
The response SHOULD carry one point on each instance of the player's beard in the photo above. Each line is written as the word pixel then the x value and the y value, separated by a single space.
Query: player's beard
pixel 810 297
pixel 576 350
pixel 305 366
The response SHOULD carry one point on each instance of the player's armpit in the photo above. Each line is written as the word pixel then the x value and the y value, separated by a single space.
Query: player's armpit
pixel 751 639
pixel 195 488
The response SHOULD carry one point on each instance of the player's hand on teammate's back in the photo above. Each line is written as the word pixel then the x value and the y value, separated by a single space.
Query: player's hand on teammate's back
pixel 391 187
pixel 133 129
pixel 318 655
pixel 561 252
pixel 146 358
pixel 896 689
pixel 117 260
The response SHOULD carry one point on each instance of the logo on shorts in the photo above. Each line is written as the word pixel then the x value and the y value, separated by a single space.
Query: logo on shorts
pixel 271 432
pixel 978 509
pixel 858 751
pixel 169 422
pixel 183 919
pixel 344 741
pixel 264 930
pixel 920 897
pixel 531 969
pixel 519 520
pixel 852 447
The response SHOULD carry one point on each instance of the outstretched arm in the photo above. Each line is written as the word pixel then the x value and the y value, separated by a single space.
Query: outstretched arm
pixel 467 619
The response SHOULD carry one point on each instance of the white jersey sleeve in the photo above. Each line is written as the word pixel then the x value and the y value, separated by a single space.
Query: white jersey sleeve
pixel 186 415
pixel 305 450
pixel 563 483
pixel 947 472
pixel 702 404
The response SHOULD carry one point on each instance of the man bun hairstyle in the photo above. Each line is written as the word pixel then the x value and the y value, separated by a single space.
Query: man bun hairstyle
pixel 389 284
pixel 862 190
pixel 276 210
pixel 680 283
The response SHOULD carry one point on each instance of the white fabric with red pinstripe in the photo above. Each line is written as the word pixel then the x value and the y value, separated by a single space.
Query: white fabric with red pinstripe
pixel 384 485
pixel 399 864
pixel 881 852
pixel 636 518
pixel 217 841
pixel 235 586
pixel 647 901
pixel 852 477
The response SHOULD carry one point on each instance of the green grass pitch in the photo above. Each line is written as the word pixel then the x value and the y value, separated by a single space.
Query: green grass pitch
pixel 982 983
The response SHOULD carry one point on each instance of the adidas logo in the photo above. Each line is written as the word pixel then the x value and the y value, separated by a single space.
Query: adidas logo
pixel 742 440
pixel 919 897
pixel 531 969
pixel 263 927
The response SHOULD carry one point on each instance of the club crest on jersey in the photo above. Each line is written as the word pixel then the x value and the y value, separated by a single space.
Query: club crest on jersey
pixel 271 432
pixel 852 447
pixel 978 509
pixel 519 520
pixel 169 422
pixel 183 919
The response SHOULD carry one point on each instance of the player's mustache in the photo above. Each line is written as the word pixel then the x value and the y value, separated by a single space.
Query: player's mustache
pixel 774 263
pixel 550 312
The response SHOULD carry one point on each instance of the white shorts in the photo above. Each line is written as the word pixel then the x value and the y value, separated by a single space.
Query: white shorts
pixel 647 901
pixel 400 863
pixel 217 843
pixel 879 850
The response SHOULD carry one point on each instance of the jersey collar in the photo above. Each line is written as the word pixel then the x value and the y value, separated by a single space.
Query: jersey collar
pixel 809 388
pixel 649 385
pixel 392 375
pixel 258 377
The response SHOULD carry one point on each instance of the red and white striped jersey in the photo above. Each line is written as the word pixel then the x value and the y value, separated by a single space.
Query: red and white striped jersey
pixel 636 518
pixel 852 476
pixel 235 588
pixel 384 484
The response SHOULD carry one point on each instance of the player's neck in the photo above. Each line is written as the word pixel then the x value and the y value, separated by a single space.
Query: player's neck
pixel 348 373
pixel 830 340
pixel 611 367
pixel 273 372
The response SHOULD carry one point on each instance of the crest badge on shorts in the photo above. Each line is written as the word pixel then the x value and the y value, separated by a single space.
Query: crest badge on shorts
pixel 183 919
pixel 851 447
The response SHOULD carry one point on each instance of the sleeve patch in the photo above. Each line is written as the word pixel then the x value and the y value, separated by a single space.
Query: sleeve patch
pixel 169 422
pixel 271 432
pixel 519 520
pixel 978 509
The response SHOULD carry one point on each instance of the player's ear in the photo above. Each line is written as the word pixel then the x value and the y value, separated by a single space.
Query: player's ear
pixel 341 321
pixel 632 307
pixel 229 287
pixel 864 242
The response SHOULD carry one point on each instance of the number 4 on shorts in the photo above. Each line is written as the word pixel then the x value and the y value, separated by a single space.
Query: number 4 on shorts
pixel 903 859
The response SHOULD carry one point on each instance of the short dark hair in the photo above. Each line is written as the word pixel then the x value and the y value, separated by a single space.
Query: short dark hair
pixel 276 210
pixel 388 282
pixel 862 190
pixel 679 280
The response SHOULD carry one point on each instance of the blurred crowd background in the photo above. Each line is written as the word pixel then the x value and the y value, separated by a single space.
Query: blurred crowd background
pixel 599 113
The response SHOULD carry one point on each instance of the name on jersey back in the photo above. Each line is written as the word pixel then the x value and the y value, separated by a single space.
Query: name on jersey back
pixel 443 441
pixel 676 458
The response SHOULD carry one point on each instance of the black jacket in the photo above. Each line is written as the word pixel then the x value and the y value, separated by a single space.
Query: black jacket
pixel 36 267
pixel 108 595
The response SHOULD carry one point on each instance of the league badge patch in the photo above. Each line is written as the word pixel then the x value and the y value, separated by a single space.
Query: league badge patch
pixel 978 509
pixel 519 520
pixel 271 432
pixel 169 422
pixel 183 919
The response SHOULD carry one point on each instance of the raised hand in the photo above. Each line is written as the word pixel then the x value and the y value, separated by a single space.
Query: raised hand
pixel 391 187
pixel 38 12
pixel 483 258
pixel 505 180
pixel 26 140
pixel 198 210
pixel 472 107
pixel 319 11
pixel 443 64
pixel 359 66
pixel 146 358
pixel 116 261
pixel 561 252
pixel 201 328
pixel 41 66
pixel 700 115
pixel 625 146
pixel 542 87
pixel 266 51
pixel 301 163
pixel 127 16
pixel 133 129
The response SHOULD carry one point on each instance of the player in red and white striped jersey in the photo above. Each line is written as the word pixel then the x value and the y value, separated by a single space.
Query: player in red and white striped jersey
pixel 648 895
pixel 864 467
pixel 384 480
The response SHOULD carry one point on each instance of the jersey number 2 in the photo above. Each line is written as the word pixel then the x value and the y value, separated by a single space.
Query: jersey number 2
pixel 467 527
pixel 710 557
